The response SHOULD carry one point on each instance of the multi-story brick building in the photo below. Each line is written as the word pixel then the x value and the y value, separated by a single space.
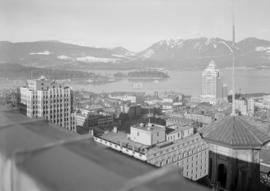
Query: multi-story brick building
pixel 160 147
pixel 88 120
pixel 189 154
pixel 49 100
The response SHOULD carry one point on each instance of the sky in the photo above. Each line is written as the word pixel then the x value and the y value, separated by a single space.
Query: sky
pixel 133 24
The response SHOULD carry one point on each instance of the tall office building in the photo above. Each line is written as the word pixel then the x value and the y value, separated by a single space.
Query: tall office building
pixel 213 89
pixel 49 100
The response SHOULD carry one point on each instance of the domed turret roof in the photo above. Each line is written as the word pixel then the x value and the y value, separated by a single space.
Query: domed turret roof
pixel 236 132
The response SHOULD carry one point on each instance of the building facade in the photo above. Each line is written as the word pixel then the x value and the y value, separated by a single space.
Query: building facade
pixel 189 154
pixel 94 118
pixel 148 134
pixel 199 118
pixel 251 106
pixel 174 133
pixel 49 100
pixel 80 116
pixel 241 106
pixel 101 120
pixel 162 146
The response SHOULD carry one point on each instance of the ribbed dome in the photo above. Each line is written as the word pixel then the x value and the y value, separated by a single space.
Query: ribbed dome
pixel 236 132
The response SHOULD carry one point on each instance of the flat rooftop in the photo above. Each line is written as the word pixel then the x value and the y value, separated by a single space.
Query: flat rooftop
pixel 122 137
pixel 84 165
pixel 175 128
pixel 148 126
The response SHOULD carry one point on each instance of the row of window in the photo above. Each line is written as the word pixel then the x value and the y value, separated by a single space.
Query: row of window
pixel 190 154
pixel 55 101
pixel 173 137
pixel 58 95
pixel 181 146
pixel 56 108
pixel 58 112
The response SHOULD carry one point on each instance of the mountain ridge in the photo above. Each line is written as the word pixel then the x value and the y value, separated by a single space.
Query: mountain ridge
pixel 192 53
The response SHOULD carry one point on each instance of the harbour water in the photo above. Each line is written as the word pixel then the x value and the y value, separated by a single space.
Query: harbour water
pixel 187 82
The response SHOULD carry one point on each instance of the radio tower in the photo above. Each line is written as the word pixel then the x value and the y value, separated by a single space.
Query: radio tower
pixel 233 61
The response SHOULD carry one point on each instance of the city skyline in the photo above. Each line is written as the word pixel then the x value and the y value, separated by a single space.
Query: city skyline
pixel 134 25
pixel 142 83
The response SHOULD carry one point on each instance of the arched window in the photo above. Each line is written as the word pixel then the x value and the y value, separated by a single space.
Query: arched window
pixel 222 175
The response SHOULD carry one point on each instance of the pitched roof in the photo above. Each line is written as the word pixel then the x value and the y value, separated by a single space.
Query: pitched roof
pixel 236 132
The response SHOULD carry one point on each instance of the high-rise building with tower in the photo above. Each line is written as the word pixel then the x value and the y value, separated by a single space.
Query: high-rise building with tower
pixel 49 100
pixel 213 89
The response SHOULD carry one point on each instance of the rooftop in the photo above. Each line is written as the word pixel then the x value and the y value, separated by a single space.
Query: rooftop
pixel 174 128
pixel 149 126
pixel 179 120
pixel 122 138
pixel 169 130
pixel 235 132
pixel 84 165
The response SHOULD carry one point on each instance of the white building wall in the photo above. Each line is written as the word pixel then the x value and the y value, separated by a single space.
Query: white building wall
pixel 148 136
pixel 241 106
pixel 187 132
pixel 140 136
pixel 158 136
pixel 251 107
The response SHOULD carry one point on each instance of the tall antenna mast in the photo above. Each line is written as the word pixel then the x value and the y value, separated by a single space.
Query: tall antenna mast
pixel 233 60
pixel 149 120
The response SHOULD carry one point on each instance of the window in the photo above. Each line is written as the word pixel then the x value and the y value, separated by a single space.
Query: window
pixel 138 133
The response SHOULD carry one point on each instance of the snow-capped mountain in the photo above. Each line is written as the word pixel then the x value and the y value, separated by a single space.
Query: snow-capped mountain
pixel 173 53
pixel 197 52
pixel 179 49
